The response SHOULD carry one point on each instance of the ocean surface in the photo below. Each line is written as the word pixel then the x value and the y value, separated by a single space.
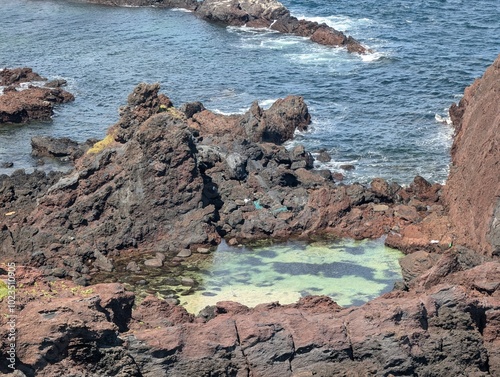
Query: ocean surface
pixel 384 112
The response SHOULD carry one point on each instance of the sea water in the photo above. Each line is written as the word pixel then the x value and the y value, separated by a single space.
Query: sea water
pixel 384 112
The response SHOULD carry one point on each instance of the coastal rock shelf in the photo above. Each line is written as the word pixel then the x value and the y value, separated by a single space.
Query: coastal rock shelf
pixel 162 170
pixel 269 14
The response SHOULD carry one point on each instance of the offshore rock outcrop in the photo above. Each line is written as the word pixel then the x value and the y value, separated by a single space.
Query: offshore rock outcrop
pixel 31 103
pixel 269 14
pixel 473 186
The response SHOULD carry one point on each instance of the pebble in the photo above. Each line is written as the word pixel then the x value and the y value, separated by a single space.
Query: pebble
pixel 203 250
pixel 184 253
pixel 133 266
pixel 380 208
pixel 187 282
pixel 153 262
pixel 160 256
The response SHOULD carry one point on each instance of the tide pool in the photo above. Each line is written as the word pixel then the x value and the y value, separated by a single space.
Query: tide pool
pixel 350 272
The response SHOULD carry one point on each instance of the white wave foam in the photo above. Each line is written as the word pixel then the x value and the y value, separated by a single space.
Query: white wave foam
pixel 339 22
pixel 217 111
pixel 183 10
pixel 251 30
pixel 267 103
pixel 372 57
pixel 441 119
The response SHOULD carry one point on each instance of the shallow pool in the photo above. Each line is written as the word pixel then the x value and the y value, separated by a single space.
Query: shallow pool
pixel 350 272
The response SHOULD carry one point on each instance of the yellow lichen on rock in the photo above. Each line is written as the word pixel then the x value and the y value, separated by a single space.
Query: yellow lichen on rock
pixel 101 145
pixel 176 113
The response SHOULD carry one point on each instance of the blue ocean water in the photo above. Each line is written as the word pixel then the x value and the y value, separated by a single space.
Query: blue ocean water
pixel 377 112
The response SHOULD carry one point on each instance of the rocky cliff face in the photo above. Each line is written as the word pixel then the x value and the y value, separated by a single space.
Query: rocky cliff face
pixel 472 192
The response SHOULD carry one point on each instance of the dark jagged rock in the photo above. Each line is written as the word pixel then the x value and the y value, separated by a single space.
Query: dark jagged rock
pixel 17 76
pixel 272 14
pixel 47 146
pixel 160 171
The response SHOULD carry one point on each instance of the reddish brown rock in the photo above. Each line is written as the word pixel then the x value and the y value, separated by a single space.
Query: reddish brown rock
pixel 17 76
pixel 451 327
pixel 472 191
pixel 30 104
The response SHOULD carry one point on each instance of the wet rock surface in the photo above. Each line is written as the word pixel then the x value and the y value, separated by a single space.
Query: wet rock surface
pixel 31 103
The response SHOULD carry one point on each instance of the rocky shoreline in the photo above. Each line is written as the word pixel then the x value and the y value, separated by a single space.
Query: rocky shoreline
pixel 269 14
pixel 162 170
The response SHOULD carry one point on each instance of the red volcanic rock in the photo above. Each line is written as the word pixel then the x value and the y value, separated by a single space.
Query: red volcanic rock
pixel 472 191
pixel 30 104
pixel 17 76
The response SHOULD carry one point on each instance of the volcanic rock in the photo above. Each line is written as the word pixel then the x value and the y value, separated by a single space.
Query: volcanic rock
pixel 17 76
pixel 31 103
pixel 473 189
pixel 47 146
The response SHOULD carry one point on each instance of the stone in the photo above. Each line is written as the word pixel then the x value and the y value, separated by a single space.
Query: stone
pixel 184 253
pixel 347 167
pixel 189 282
pixel 323 156
pixel 203 250
pixel 133 266
pixel 155 262
pixel 380 208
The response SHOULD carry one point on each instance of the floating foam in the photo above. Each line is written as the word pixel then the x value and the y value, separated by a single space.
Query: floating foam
pixel 339 22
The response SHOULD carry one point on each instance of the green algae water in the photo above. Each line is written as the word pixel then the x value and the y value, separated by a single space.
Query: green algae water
pixel 350 272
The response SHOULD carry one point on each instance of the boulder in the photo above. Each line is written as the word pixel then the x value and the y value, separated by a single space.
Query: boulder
pixel 47 146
